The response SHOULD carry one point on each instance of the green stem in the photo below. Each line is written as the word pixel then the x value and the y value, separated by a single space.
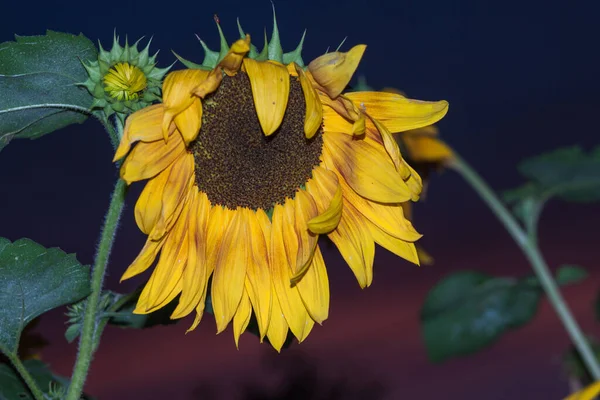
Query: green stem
pixel 91 317
pixel 528 245
pixel 20 367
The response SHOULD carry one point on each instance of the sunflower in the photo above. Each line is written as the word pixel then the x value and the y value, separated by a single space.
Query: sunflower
pixel 247 164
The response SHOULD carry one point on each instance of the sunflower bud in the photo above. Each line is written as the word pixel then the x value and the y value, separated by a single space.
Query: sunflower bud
pixel 124 79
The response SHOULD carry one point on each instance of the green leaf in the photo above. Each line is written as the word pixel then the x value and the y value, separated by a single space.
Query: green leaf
pixel 568 274
pixel 468 311
pixel 34 280
pixel 124 317
pixel 12 387
pixel 39 77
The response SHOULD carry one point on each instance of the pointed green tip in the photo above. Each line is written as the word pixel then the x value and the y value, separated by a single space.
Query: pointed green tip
pixel 224 46
pixel 341 44
pixel 275 51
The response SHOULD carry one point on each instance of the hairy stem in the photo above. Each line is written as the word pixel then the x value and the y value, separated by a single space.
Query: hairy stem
pixel 528 244
pixel 20 367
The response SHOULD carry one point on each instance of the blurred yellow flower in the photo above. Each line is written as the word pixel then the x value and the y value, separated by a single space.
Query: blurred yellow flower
pixel 587 393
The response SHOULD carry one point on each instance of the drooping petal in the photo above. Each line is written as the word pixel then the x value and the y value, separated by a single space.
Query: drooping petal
pixel 230 269
pixel 258 278
pixel 278 327
pixel 367 168
pixel 143 125
pixel 210 84
pixel 176 190
pixel 355 243
pixel 389 143
pixel 270 89
pixel 314 109
pixel 333 71
pixel 397 112
pixel 314 288
pixel 189 121
pixel 148 159
pixel 242 317
pixel 342 115
pixel 194 275
pixel 149 205
pixel 327 193
pixel 165 282
pixel 305 209
pixel 145 259
pixel 218 223
pixel 284 245
pixel 177 92
pixel 399 247
pixel 232 62
pixel 388 217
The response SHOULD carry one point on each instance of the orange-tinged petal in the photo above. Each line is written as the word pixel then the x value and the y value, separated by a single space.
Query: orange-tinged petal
pixel 270 89
pixel 177 92
pixel 422 148
pixel 143 125
pixel 149 204
pixel 218 222
pixel 339 113
pixel 314 288
pixel 278 327
pixel 145 259
pixel 390 144
pixel 176 190
pixel 366 167
pixel 189 121
pixel 305 209
pixel 195 273
pixel 230 269
pixel 388 217
pixel 333 71
pixel 242 317
pixel 232 62
pixel 397 112
pixel 321 187
pixel 210 84
pixel 355 243
pixel 284 245
pixel 314 109
pixel 258 278
pixel 148 159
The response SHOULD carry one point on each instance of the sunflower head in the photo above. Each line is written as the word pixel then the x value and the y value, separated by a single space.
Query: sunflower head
pixel 124 79
pixel 249 159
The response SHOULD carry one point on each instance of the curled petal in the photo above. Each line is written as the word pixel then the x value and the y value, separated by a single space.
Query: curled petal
pixel 399 113
pixel 270 89
pixel 333 71
pixel 305 209
pixel 327 193
pixel 314 109
pixel 210 84
pixel 390 144
pixel 189 121
pixel 232 62
pixel 149 205
pixel 340 111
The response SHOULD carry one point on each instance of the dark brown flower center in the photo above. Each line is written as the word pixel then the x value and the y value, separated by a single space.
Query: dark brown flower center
pixel 236 164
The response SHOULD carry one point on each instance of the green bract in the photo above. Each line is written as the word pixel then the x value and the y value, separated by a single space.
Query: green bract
pixel 98 69
pixel 272 50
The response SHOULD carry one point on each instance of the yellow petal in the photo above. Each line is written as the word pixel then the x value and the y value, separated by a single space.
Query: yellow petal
pixel 177 92
pixel 176 190
pixel 284 245
pixel 305 209
pixel 389 143
pixel 143 125
pixel 355 243
pixel 149 204
pixel 588 393
pixel 148 159
pixel 189 121
pixel 278 327
pixel 314 288
pixel 342 115
pixel 258 278
pixel 241 318
pixel 232 62
pixel 270 90
pixel 399 247
pixel 145 259
pixel 398 113
pixel 387 217
pixel 421 148
pixel 314 109
pixel 218 222
pixel 325 189
pixel 366 167
pixel 333 71
pixel 424 257
pixel 195 273
pixel 230 269
pixel 210 84
pixel 165 283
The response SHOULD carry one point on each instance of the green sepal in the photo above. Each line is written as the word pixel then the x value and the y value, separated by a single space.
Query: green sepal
pixel 223 42
pixel 211 58
pixel 253 53
pixel 296 55
pixel 275 50
pixel 189 64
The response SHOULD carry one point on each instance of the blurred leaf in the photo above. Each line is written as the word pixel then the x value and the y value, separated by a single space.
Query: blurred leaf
pixel 11 386
pixel 468 311
pixel 38 82
pixel 124 317
pixel 568 274
pixel 34 280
